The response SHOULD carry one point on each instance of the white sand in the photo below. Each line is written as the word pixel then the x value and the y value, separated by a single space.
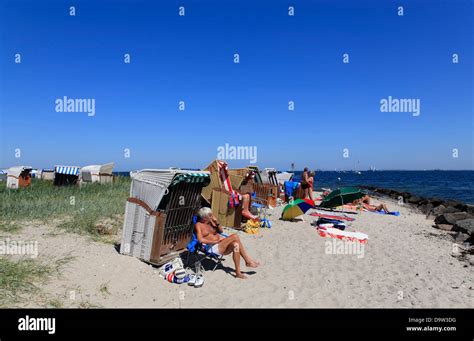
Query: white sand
pixel 406 263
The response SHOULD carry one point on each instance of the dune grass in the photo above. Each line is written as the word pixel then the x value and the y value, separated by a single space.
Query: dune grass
pixel 80 209
pixel 19 279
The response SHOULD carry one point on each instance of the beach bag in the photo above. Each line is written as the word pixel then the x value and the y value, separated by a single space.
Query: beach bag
pixel 171 267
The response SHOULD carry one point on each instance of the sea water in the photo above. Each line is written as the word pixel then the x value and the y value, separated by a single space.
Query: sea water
pixel 457 185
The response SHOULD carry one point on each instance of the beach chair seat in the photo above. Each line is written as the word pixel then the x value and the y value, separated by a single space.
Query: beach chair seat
pixel 199 252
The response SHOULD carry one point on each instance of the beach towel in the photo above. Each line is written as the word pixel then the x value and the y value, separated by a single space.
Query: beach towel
pixel 350 207
pixel 395 213
pixel 331 232
pixel 252 227
pixel 330 216
pixel 290 187
pixel 224 175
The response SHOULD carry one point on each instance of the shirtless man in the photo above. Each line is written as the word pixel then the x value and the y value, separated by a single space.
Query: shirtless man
pixel 208 232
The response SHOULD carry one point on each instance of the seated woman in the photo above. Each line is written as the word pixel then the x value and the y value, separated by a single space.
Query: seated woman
pixel 208 232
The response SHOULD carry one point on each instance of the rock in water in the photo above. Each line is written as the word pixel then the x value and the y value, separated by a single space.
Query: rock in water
pixel 456 204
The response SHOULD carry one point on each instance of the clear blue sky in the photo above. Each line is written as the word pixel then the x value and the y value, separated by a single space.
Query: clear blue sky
pixel 282 58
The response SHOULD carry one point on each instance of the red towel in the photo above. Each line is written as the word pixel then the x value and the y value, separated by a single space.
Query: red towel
pixel 329 216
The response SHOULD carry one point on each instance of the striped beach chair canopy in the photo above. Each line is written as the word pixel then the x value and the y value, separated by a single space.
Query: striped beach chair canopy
pixel 150 185
pixel 68 170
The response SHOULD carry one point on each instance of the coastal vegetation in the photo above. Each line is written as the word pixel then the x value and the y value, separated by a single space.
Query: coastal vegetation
pixel 94 209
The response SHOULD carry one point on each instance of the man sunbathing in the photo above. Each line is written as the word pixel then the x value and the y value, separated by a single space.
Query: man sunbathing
pixel 208 232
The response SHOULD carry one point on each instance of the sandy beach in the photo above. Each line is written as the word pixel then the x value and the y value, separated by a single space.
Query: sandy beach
pixel 405 264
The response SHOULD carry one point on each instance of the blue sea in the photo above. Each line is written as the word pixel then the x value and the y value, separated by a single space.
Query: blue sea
pixel 457 185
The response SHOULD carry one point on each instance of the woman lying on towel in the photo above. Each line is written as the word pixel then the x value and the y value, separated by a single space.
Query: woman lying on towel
pixel 208 232
pixel 365 203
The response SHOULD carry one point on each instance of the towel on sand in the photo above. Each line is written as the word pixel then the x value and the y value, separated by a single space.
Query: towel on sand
pixel 331 232
pixel 395 213
pixel 330 216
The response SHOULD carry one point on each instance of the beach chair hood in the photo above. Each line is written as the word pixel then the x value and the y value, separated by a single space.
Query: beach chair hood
pixel 150 185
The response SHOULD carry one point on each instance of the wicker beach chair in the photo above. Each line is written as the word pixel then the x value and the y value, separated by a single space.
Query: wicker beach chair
pixel 66 175
pixel 158 222
pixel 269 176
pixel 219 193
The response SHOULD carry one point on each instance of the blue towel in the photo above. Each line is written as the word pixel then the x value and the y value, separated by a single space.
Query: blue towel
pixel 396 213
pixel 290 187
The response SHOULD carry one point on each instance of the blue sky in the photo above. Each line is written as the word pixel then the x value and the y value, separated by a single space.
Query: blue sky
pixel 282 59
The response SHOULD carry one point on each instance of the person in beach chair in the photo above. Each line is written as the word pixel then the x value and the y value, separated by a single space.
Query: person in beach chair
pixel 202 251
pixel 208 231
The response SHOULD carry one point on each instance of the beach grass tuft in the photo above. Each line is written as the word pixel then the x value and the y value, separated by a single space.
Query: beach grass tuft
pixel 19 278
pixel 9 226
pixel 93 209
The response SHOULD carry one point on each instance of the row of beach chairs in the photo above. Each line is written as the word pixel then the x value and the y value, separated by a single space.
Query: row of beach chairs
pixel 158 223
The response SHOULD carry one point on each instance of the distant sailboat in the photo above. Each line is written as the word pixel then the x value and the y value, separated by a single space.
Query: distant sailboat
pixel 355 168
